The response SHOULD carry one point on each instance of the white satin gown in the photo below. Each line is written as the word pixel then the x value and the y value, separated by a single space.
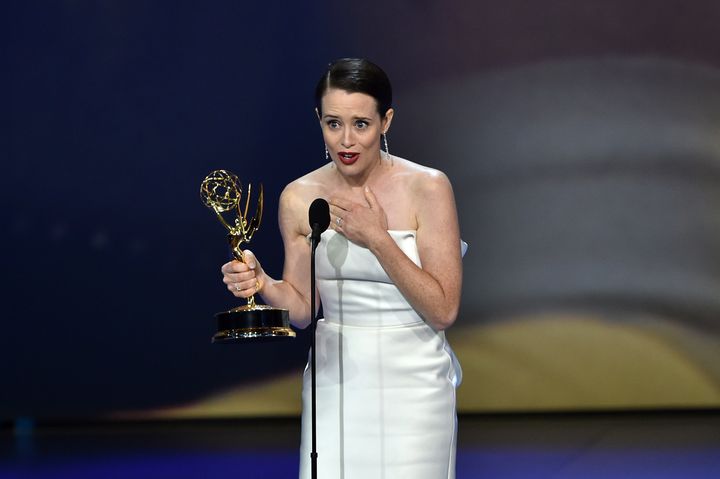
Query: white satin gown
pixel 385 379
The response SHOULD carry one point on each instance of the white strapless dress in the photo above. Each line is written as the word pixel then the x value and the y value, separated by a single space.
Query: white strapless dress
pixel 385 380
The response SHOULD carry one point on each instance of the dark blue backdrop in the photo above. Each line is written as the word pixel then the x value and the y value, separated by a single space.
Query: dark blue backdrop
pixel 116 110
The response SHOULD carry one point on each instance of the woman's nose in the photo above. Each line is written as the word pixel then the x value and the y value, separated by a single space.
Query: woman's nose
pixel 348 138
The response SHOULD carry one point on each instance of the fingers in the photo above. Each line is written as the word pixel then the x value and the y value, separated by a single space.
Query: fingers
pixel 241 278
pixel 370 198
pixel 244 289
pixel 340 208
pixel 233 267
pixel 358 221
pixel 338 203
pixel 336 217
pixel 250 259
pixel 336 223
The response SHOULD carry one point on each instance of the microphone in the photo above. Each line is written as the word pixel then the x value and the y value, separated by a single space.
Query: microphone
pixel 319 215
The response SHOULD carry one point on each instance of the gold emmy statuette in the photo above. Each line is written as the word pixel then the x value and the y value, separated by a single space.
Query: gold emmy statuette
pixel 221 191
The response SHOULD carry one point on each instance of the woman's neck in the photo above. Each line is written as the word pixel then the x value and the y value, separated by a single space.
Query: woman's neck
pixel 366 177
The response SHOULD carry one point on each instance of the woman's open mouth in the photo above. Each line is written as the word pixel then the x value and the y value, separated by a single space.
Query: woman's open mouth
pixel 348 157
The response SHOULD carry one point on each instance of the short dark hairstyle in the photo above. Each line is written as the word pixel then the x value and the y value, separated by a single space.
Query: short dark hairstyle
pixel 356 75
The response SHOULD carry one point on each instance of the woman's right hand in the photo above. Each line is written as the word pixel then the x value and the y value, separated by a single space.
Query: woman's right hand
pixel 243 279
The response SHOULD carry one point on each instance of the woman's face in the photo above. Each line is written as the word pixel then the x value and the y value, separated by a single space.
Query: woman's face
pixel 351 127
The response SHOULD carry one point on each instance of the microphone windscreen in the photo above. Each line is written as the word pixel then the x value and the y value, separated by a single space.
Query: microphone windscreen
pixel 319 215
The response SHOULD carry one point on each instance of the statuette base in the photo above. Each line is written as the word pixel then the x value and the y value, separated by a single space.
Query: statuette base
pixel 260 323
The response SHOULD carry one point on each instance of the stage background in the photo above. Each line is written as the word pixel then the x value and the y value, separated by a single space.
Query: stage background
pixel 582 139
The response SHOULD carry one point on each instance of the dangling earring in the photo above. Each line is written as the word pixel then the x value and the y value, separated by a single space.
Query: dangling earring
pixel 327 154
pixel 384 137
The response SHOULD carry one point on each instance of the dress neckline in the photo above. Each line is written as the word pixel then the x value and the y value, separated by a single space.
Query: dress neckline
pixel 413 232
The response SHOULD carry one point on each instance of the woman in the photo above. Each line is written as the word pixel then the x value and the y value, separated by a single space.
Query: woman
pixel 389 279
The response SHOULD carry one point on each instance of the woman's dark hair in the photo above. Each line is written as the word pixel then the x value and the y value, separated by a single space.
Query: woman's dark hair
pixel 356 75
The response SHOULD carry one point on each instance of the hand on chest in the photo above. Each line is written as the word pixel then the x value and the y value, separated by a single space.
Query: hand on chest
pixel 396 202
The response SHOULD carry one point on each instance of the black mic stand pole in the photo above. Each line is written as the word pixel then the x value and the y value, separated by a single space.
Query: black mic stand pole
pixel 319 216
pixel 313 322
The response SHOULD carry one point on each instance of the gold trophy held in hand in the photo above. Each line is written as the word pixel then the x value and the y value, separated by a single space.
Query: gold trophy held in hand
pixel 221 191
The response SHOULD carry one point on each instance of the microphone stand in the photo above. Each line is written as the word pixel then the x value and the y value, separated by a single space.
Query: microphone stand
pixel 319 216
pixel 313 321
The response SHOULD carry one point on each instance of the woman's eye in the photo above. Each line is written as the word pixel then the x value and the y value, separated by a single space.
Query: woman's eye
pixel 333 124
pixel 360 124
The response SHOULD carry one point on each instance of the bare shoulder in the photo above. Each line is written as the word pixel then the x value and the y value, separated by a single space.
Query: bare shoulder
pixel 422 180
pixel 297 196
pixel 433 203
pixel 306 188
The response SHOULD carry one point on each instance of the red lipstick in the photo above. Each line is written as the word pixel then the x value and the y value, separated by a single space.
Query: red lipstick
pixel 348 157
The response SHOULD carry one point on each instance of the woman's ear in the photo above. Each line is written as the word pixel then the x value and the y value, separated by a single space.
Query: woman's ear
pixel 387 120
pixel 317 113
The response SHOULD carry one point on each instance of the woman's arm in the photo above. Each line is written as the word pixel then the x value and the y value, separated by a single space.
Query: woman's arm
pixel 286 293
pixel 433 290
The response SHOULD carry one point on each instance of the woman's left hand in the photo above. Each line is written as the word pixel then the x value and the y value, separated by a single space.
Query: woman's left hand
pixel 360 223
